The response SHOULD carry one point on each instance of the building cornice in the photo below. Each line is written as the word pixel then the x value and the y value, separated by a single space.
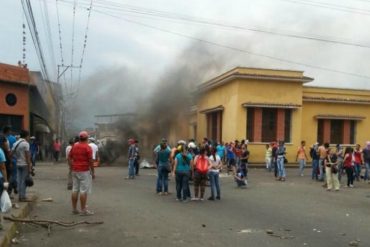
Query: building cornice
pixel 336 100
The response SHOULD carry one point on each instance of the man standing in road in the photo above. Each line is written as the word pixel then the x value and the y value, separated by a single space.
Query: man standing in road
pixel 81 163
pixel 21 151
pixel 131 159
pixel 95 150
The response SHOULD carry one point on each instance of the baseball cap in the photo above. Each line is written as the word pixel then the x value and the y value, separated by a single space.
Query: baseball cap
pixel 83 134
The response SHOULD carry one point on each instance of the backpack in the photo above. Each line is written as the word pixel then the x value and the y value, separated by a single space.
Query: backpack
pixel 202 165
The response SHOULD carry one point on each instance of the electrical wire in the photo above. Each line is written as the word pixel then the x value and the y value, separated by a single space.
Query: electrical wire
pixel 27 9
pixel 235 48
pixel 73 39
pixel 84 47
pixel 109 5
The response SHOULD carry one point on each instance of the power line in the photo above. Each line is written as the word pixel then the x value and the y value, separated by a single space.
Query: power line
pixel 234 48
pixel 84 46
pixel 60 43
pixel 174 16
pixel 336 7
pixel 27 9
pixel 73 39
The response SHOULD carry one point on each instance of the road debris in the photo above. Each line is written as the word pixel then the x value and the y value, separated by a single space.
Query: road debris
pixel 353 243
pixel 48 223
pixel 47 200
pixel 269 231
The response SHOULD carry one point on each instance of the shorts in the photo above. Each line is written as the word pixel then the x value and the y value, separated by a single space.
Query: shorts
pixel 82 182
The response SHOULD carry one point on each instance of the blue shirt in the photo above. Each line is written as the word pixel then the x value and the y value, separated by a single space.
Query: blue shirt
pixel 11 140
pixel 230 154
pixel 220 150
pixel 163 156
pixel 183 165
pixel 2 160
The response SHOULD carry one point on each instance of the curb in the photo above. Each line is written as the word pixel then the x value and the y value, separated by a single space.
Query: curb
pixel 10 228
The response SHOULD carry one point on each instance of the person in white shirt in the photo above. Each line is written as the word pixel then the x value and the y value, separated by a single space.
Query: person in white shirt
pixel 95 149
pixel 68 149
pixel 213 173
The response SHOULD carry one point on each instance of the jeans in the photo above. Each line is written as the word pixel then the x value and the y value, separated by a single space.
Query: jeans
pixel 22 172
pixel 349 171
pixel 367 168
pixel 281 167
pixel 182 184
pixel 315 167
pixel 340 168
pixel 137 167
pixel 215 184
pixel 162 181
pixel 357 171
pixel 268 164
pixel 131 168
pixel 321 167
pixel 302 165
pixel 33 159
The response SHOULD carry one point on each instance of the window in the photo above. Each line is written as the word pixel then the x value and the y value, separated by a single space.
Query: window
pixel 214 125
pixel 336 131
pixel 11 99
pixel 268 124
pixel 250 124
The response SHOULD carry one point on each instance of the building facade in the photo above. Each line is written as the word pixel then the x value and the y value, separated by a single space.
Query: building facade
pixel 265 105
pixel 15 86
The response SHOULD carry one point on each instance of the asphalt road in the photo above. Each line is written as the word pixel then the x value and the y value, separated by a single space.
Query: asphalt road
pixel 298 212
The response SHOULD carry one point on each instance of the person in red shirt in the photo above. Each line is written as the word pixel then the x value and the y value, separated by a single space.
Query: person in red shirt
pixel 82 167
pixel 348 166
pixel 56 149
pixel 357 155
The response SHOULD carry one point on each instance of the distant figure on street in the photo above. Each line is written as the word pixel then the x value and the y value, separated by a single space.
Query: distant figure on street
pixel 302 158
pixel 56 149
pixel 34 149
pixel 81 164
pixel 348 166
pixel 331 170
pixel 281 152
pixel 68 150
pixel 131 159
pixel 95 150
pixel 136 163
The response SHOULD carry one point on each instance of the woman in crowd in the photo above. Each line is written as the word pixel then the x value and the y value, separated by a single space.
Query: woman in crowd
pixel 182 166
pixel 357 155
pixel 348 166
pixel 302 157
pixel 201 165
pixel 164 167
pixel 331 170
pixel 214 170
pixel 268 157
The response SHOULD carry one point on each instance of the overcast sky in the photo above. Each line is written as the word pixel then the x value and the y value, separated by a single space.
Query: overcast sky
pixel 115 43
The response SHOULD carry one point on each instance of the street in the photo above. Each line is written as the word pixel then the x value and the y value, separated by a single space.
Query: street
pixel 298 212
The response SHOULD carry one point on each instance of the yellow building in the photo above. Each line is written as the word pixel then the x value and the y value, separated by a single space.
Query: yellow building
pixel 264 105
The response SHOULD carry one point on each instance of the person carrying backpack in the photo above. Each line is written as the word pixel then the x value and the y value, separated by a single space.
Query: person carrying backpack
pixel 181 169
pixel 201 165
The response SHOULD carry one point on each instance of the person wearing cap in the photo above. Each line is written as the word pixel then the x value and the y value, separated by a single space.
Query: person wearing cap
pixel 366 159
pixel 81 163
pixel 131 159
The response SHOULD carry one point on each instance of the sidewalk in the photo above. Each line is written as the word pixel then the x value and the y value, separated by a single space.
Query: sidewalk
pixel 10 228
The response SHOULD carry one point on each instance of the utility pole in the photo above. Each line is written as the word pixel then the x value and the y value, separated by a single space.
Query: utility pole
pixel 62 110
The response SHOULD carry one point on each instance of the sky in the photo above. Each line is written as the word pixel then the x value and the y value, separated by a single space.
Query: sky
pixel 145 39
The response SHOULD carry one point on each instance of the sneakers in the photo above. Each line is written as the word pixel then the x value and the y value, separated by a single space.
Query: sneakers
pixel 218 197
pixel 195 199
pixel 75 212
pixel 351 186
pixel 211 198
pixel 86 212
